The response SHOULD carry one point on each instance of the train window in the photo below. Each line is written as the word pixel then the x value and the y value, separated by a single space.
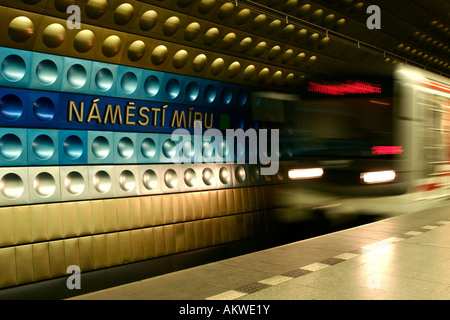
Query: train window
pixel 341 126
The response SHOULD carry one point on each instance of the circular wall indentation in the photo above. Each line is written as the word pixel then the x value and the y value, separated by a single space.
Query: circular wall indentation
pixel 54 35
pixel 173 88
pixel 150 179
pixel 123 14
pixel 249 72
pixel 260 49
pixel 274 26
pixel 11 186
pixel 211 36
pixel 233 69
pixel 277 78
pixel 104 79
pixel 225 10
pixel 84 41
pixel 10 147
pixel 259 21
pixel 192 91
pixel 224 175
pixel 102 182
pixel 73 147
pixel 217 66
pixel 254 174
pixel 77 76
pixel 148 148
pixel 127 181
pixel 171 25
pixel 199 63
pixel 125 148
pixel 100 147
pixel 263 75
pixel 190 177
pixel 20 29
pixel 11 107
pixel 192 31
pixel 168 148
pixel 274 52
pixel 44 184
pixel 287 55
pixel 159 55
pixel 151 86
pixel 43 147
pixel 62 5
pixel 210 93
pixel 229 40
pixel 242 16
pixel 180 58
pixel 96 8
pixel 171 178
pixel 74 183
pixel 136 50
pixel 111 46
pixel 44 109
pixel 208 176
pixel 227 95
pixel 245 44
pixel 47 72
pixel 129 82
pixel 206 6
pixel 148 20
pixel 188 148
pixel 13 68
pixel 240 174
pixel 242 98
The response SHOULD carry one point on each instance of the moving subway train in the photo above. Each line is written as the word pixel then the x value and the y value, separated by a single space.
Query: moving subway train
pixel 366 143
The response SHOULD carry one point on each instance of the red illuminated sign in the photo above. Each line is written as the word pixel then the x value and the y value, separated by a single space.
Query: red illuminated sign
pixel 350 87
pixel 387 150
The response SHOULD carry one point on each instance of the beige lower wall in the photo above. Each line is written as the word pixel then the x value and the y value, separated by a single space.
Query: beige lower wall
pixel 39 242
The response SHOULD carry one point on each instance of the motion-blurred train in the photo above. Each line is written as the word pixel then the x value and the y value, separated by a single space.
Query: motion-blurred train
pixel 375 142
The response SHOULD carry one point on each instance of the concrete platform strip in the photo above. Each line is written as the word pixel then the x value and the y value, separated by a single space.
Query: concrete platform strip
pixel 265 283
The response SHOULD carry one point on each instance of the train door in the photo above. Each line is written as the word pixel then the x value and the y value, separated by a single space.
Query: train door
pixel 434 146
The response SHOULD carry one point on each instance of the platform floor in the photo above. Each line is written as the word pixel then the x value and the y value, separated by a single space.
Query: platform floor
pixel 403 257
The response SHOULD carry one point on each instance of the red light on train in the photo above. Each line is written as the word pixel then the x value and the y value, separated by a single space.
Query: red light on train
pixel 387 150
pixel 350 87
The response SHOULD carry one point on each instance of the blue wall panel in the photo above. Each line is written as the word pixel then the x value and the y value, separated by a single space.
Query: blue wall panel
pixel 13 147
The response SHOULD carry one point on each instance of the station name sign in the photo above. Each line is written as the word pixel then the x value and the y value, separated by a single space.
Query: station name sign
pixel 93 113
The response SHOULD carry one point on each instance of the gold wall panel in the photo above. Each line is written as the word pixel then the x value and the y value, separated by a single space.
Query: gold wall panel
pixel 22 224
pixel 70 219
pixel 38 220
pixel 72 252
pixel 125 247
pixel 57 258
pixel 8 267
pixel 148 243
pixel 86 249
pixel 137 244
pixel 6 226
pixel 97 217
pixel 99 251
pixel 112 249
pixel 24 263
pixel 41 261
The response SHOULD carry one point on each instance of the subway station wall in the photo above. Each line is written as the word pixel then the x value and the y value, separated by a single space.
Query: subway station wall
pixel 87 171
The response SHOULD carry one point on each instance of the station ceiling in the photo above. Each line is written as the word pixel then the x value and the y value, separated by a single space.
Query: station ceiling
pixel 308 37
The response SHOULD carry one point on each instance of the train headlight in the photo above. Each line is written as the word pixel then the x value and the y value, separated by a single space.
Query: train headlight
pixel 378 176
pixel 305 173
